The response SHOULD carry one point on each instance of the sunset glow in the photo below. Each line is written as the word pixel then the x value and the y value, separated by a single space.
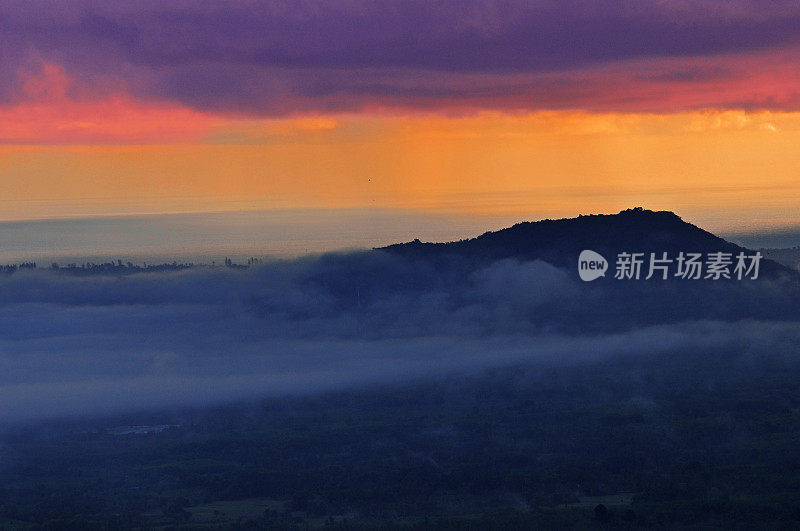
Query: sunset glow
pixel 546 164
pixel 117 109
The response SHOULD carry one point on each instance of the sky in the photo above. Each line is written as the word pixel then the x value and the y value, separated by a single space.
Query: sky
pixel 501 109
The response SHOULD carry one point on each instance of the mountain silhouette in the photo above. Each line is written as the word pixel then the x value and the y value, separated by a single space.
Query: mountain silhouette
pixel 560 241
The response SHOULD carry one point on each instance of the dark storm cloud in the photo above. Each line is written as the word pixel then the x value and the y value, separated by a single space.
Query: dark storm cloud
pixel 274 57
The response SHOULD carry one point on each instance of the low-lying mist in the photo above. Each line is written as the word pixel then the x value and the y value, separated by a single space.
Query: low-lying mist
pixel 85 345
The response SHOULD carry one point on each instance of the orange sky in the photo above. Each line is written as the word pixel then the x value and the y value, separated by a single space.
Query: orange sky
pixel 524 109
pixel 723 167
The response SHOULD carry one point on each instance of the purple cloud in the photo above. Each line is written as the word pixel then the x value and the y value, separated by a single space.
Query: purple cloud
pixel 276 57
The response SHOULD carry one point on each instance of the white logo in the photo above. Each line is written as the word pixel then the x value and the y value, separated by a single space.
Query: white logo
pixel 591 265
pixel 687 266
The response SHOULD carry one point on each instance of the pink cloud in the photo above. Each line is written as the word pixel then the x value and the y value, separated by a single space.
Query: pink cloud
pixel 276 58
pixel 45 112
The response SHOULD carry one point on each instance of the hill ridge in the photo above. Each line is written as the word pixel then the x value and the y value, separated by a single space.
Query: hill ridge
pixel 560 241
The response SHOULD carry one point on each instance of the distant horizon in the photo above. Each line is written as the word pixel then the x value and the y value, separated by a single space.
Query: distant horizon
pixel 206 237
